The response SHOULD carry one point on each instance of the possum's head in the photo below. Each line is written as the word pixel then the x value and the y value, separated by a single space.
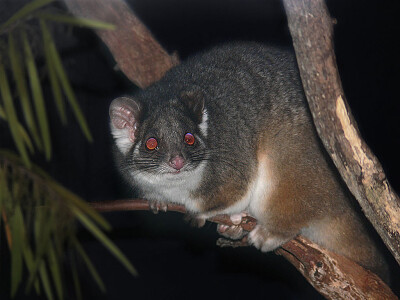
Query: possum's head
pixel 160 138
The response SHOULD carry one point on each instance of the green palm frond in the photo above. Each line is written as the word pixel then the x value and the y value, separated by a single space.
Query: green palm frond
pixel 62 78
pixel 22 88
pixel 38 215
pixel 24 12
pixel 11 115
pixel 37 95
pixel 24 76
pixel 42 222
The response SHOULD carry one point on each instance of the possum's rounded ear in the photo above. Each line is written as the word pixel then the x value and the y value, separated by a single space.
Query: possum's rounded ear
pixel 194 100
pixel 125 116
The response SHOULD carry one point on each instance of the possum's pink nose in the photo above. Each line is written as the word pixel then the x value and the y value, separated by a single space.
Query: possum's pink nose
pixel 177 162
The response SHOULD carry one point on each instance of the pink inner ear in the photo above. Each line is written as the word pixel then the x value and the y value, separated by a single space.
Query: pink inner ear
pixel 122 117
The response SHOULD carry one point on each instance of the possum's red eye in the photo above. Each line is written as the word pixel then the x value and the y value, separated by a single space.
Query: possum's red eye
pixel 151 144
pixel 189 139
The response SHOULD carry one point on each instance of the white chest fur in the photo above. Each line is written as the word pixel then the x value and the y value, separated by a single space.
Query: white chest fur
pixel 175 188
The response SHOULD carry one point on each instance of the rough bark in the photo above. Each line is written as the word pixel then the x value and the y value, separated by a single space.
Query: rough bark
pixel 138 55
pixel 333 275
pixel 311 28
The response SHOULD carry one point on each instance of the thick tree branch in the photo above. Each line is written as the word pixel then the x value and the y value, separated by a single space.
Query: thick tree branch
pixel 333 275
pixel 139 56
pixel 312 28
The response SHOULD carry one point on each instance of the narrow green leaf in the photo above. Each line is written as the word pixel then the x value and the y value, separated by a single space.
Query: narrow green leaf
pixel 5 190
pixel 54 265
pixel 11 115
pixel 15 222
pixel 25 137
pixel 2 190
pixel 26 249
pixel 30 265
pixel 55 84
pixel 37 229
pixel 37 96
pixel 75 278
pixel 2 113
pixel 55 58
pixel 41 234
pixel 45 281
pixel 90 266
pixel 24 11
pixel 44 222
pixel 16 189
pixel 5 201
pixel 104 240
pixel 76 21
pixel 19 77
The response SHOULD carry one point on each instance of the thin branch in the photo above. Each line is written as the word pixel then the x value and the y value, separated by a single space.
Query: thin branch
pixel 311 28
pixel 248 223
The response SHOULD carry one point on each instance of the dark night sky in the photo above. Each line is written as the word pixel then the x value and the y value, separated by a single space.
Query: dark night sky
pixel 174 260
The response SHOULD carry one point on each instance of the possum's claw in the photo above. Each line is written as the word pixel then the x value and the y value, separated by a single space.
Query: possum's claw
pixel 156 206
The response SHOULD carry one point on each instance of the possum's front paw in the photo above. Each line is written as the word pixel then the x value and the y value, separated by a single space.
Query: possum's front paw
pixel 234 232
pixel 156 206
pixel 262 239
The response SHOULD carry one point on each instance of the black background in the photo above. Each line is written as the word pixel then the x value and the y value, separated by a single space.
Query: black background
pixel 174 260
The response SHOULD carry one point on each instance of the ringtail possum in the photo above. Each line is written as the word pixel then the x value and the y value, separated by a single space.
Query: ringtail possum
pixel 229 131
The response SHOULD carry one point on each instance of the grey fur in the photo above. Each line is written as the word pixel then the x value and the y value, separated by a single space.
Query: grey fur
pixel 256 115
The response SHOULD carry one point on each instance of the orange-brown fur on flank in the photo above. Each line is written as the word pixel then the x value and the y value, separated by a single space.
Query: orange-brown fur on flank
pixel 306 183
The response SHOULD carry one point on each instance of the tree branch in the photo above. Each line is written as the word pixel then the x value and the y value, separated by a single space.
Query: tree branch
pixel 248 223
pixel 139 56
pixel 311 29
pixel 332 275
